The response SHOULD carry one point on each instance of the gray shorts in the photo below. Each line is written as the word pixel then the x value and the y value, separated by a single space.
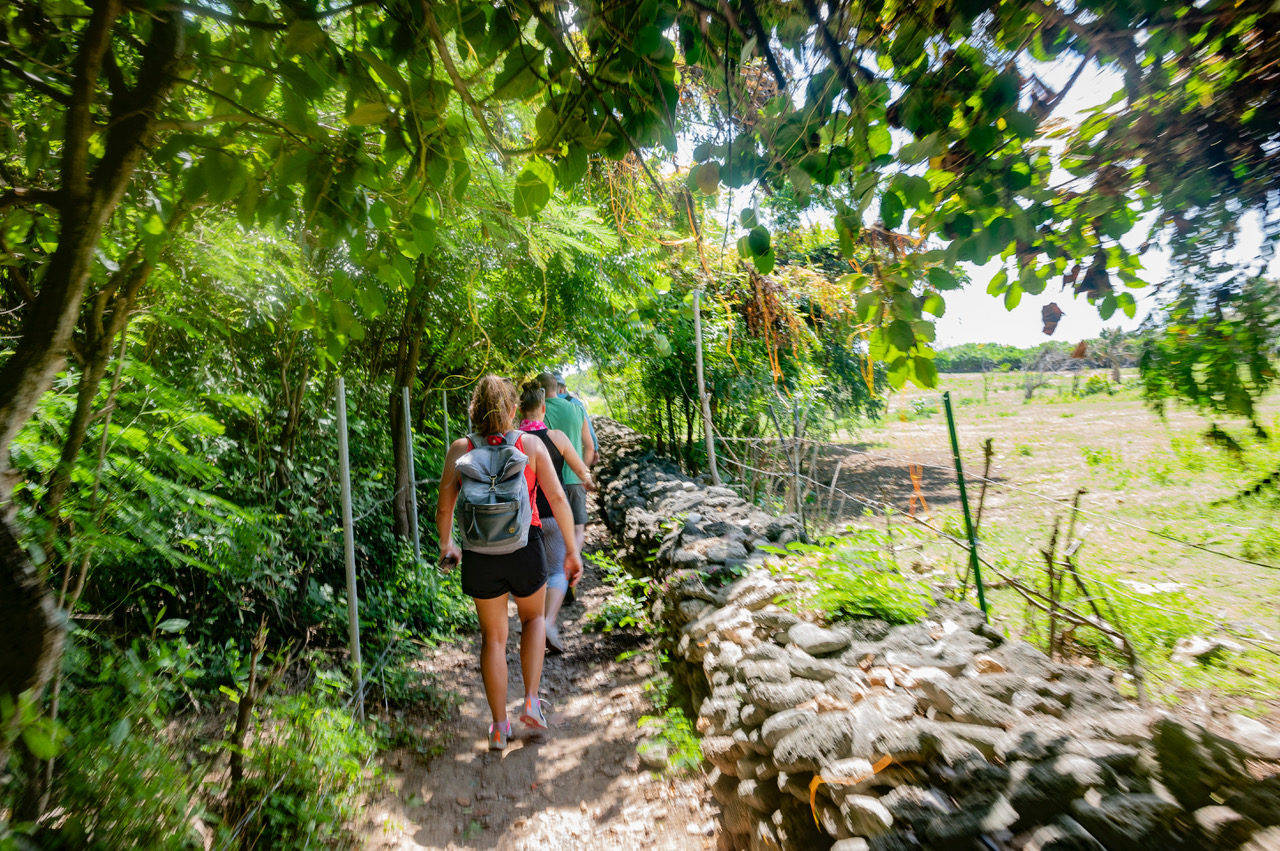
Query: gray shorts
pixel 577 503
pixel 553 554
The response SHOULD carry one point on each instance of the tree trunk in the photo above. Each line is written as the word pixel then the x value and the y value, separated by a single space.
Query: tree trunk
pixel 32 638
pixel 671 429
pixel 688 432
pixel 408 353
pixel 102 328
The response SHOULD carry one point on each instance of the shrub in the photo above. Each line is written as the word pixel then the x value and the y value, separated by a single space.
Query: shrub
pixel 625 607
pixel 1097 384
pixel 854 577
pixel 413 593
pixel 672 729
pixel 304 775
pixel 120 776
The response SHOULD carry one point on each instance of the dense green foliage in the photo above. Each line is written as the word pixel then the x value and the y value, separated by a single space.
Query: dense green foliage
pixel 1216 351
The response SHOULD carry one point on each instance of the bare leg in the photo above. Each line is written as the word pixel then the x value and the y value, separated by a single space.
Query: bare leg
pixel 555 599
pixel 493 653
pixel 579 535
pixel 532 639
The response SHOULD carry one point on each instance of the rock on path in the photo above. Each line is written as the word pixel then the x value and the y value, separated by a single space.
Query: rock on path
pixel 584 788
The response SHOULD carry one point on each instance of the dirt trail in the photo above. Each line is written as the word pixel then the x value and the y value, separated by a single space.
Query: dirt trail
pixel 584 788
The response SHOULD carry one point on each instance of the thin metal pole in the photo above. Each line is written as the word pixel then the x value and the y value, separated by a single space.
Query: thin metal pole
pixel 964 504
pixel 413 477
pixel 349 546
pixel 702 385
pixel 444 405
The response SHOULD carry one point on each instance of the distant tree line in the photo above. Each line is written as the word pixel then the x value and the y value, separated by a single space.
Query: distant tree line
pixel 1114 349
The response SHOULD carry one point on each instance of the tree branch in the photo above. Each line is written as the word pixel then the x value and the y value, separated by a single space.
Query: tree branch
pixel 36 82
pixel 20 196
pixel 762 40
pixel 463 92
pixel 79 120
pixel 589 81
pixel 832 48
pixel 262 119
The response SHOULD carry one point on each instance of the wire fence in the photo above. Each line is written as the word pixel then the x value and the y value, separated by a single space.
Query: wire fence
pixel 357 694
pixel 783 459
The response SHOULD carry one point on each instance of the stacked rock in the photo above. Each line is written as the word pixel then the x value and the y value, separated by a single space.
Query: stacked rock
pixel 935 735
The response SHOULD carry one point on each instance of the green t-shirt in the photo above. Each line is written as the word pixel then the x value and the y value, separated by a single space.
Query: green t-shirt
pixel 568 418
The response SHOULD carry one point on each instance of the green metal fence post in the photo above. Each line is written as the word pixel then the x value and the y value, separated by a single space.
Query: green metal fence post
pixel 964 504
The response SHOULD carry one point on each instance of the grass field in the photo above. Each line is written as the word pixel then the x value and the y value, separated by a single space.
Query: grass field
pixel 1142 474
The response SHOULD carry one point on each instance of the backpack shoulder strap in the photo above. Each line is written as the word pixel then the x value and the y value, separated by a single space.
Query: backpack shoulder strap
pixel 512 438
pixel 476 440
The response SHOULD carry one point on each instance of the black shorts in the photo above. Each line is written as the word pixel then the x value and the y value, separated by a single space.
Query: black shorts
pixel 577 495
pixel 522 573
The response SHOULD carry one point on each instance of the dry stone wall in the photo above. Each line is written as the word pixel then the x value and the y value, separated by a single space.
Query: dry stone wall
pixel 936 735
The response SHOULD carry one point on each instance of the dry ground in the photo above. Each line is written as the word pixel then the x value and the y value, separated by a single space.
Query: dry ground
pixel 1140 472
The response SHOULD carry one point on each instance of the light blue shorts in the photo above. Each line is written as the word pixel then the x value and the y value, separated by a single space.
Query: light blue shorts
pixel 553 553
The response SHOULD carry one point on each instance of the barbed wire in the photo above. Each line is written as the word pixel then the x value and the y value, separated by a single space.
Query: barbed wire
pixel 1004 483
pixel 379 503
pixel 1020 562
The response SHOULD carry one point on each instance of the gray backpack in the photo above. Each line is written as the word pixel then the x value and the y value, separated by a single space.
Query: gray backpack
pixel 495 512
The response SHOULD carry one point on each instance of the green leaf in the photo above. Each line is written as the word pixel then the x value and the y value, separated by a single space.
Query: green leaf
pixel 572 166
pixel 899 371
pixel 900 335
pixel 758 240
pixel 534 186
pixel 39 742
pixel 934 303
pixel 516 80
pixel 879 142
pixel 706 177
pixel 926 371
pixel 648 40
pixel 981 140
pixel 1127 304
pixel 1012 296
pixel 368 113
pixel 173 625
pixel 891 210
pixel 765 262
pixel 998 282
pixel 941 279
pixel 302 38
pixel 1107 306
pixel 153 225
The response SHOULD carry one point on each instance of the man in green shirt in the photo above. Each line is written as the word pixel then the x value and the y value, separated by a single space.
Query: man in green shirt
pixel 564 415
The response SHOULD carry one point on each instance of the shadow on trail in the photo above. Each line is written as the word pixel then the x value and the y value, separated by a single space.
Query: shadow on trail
pixel 580 788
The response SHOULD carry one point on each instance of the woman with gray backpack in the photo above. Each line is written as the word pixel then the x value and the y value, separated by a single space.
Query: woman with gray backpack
pixel 491 477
